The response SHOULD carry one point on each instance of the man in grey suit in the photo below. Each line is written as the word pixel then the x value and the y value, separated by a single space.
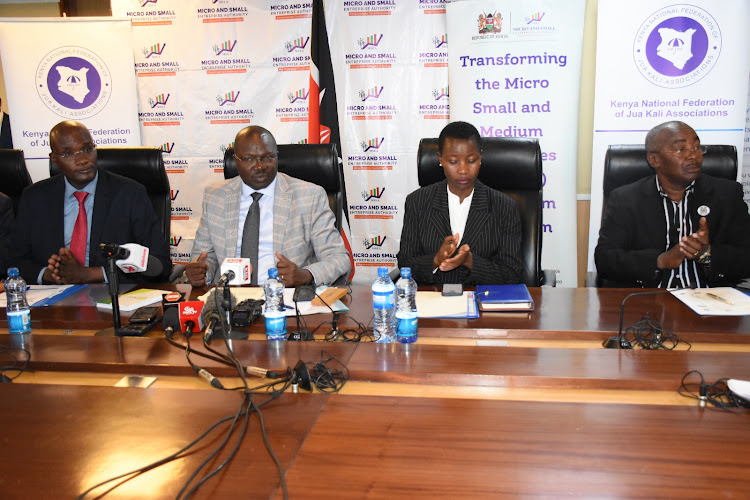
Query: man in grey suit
pixel 293 228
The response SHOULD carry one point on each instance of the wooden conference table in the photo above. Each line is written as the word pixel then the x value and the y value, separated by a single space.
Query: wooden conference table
pixel 458 414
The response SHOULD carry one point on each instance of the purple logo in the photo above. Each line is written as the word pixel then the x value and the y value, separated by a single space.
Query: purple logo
pixel 678 50
pixel 371 93
pixel 376 193
pixel 167 147
pixel 441 93
pixel 370 41
pixel 376 241
pixel 73 82
pixel 300 95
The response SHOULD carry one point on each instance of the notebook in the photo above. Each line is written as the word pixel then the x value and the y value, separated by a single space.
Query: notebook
pixel 504 298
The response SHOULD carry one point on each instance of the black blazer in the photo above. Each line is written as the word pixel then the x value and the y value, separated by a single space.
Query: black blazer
pixel 493 233
pixel 6 230
pixel 122 214
pixel 633 233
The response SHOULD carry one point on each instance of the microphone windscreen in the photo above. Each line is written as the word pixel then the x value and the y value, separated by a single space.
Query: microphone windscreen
pixel 154 267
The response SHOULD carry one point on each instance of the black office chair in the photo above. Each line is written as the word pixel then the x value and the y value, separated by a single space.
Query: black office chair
pixel 514 167
pixel 14 177
pixel 144 165
pixel 627 163
pixel 316 163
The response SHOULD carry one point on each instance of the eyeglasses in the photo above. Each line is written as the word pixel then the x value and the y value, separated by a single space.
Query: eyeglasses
pixel 684 152
pixel 70 154
pixel 266 161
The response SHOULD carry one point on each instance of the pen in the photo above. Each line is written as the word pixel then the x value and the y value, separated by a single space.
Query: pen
pixel 720 299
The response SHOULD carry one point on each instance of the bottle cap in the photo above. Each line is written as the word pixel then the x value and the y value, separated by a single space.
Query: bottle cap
pixel 273 272
pixel 12 272
pixel 382 272
pixel 406 272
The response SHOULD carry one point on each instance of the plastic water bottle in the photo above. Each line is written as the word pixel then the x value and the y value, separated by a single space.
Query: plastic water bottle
pixel 406 307
pixel 383 307
pixel 18 312
pixel 275 313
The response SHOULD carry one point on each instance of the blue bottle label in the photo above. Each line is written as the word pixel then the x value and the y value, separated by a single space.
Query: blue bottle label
pixel 383 300
pixel 276 327
pixel 19 321
pixel 406 327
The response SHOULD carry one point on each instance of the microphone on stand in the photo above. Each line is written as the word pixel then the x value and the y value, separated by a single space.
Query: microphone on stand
pixel 133 258
pixel 240 269
pixel 620 342
pixel 213 314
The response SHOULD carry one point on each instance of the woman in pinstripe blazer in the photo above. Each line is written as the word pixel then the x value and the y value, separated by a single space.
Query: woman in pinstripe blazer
pixel 459 230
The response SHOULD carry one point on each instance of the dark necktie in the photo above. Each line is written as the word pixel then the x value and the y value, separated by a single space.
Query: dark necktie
pixel 250 236
pixel 80 235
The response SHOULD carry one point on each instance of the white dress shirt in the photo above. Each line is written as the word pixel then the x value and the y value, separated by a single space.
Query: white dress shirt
pixel 266 258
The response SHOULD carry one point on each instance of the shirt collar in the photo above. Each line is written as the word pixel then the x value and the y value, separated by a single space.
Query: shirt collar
pixel 456 199
pixel 266 191
pixel 89 188
pixel 688 190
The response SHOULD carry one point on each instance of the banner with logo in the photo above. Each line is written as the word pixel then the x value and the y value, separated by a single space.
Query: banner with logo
pixel 515 69
pixel 746 156
pixel 390 62
pixel 660 60
pixel 205 70
pixel 68 69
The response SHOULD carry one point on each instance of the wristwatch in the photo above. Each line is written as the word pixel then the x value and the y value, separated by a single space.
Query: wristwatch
pixel 705 257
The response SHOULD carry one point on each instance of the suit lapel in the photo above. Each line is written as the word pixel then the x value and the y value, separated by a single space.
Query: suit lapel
pixel 438 218
pixel 58 219
pixel 231 211
pixel 479 214
pixel 281 205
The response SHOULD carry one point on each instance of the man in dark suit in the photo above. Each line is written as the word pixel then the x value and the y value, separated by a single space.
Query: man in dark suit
pixel 678 228
pixel 459 230
pixel 6 229
pixel 62 220
pixel 6 141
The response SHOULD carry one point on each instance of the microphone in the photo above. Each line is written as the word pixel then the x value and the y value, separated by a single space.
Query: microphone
pixel 133 258
pixel 215 382
pixel 190 316
pixel 171 321
pixel 241 269
pixel 213 313
pixel 620 342
pixel 226 278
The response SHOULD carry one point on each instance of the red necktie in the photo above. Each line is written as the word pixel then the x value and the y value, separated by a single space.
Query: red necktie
pixel 80 231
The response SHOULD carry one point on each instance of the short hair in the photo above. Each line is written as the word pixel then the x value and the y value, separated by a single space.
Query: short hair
pixel 256 130
pixel 459 130
pixel 652 137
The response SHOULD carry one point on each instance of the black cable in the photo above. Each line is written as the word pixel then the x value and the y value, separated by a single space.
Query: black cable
pixel 328 379
pixel 648 334
pixel 11 351
pixel 716 394
pixel 216 451
pixel 153 465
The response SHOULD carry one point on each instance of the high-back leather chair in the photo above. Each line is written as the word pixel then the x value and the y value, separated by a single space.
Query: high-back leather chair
pixel 14 177
pixel 143 165
pixel 315 163
pixel 514 167
pixel 627 163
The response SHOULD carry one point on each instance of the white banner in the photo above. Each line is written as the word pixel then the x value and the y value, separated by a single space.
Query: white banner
pixel 68 69
pixel 390 60
pixel 658 61
pixel 205 70
pixel 515 69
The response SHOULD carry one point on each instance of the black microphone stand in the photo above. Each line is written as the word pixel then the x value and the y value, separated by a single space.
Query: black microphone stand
pixel 226 304
pixel 113 253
